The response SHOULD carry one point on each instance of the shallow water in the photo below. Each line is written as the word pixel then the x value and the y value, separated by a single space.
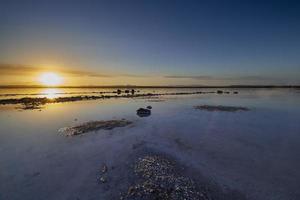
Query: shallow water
pixel 68 92
pixel 254 152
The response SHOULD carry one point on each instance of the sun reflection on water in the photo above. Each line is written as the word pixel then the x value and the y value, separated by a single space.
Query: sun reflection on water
pixel 51 93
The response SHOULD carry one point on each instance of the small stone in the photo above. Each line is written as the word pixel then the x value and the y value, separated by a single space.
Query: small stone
pixel 103 179
pixel 104 168
pixel 131 190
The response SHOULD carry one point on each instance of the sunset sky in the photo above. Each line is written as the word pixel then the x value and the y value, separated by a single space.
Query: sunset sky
pixel 150 42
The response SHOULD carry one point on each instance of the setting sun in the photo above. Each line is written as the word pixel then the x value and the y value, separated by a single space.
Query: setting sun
pixel 50 79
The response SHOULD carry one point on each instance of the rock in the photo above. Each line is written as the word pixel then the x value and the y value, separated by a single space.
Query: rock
pixel 149 107
pixel 219 92
pixel 126 91
pixel 143 112
pixel 235 92
pixel 103 179
pixel 104 169
pixel 119 91
pixel 130 190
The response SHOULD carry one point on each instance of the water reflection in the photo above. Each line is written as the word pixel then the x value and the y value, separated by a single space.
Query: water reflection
pixel 51 93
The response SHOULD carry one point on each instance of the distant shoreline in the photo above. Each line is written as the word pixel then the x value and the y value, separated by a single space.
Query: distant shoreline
pixel 136 86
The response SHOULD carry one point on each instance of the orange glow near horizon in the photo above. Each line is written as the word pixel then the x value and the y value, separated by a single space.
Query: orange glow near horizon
pixel 50 79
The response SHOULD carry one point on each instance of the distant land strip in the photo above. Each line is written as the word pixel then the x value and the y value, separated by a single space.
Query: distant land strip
pixel 162 86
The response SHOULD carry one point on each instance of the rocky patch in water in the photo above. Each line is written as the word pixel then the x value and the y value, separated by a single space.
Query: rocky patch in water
pixel 93 126
pixel 221 108
pixel 158 178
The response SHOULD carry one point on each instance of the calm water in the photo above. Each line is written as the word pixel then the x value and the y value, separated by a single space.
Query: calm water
pixel 255 152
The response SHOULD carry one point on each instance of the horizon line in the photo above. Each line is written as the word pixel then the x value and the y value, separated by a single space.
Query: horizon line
pixel 153 86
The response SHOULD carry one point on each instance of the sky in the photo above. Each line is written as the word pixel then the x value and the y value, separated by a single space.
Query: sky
pixel 149 42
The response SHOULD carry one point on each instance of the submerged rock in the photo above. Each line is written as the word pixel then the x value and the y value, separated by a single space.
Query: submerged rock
pixel 143 112
pixel 149 107
pixel 93 126
pixel 139 144
pixel 219 92
pixel 221 108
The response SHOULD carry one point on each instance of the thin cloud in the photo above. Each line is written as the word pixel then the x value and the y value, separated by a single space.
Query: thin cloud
pixel 84 73
pixel 233 78
pixel 9 69
pixel 189 77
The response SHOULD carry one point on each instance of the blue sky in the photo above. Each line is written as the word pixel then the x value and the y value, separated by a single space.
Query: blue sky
pixel 165 42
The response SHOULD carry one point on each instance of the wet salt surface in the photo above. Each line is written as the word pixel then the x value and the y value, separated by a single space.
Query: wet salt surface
pixel 252 154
